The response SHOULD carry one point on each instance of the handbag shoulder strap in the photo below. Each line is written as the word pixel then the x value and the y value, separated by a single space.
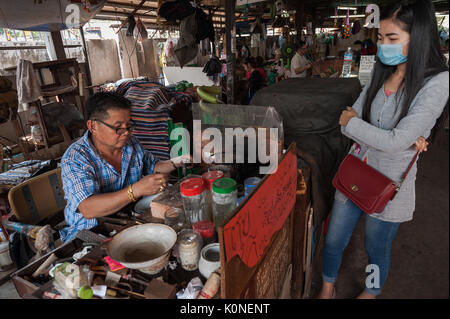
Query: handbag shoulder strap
pixel 409 168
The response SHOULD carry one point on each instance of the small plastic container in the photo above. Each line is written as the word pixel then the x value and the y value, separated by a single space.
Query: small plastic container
pixel 206 229
pixel 209 260
pixel 251 183
pixel 194 200
pixel 224 199
pixel 208 180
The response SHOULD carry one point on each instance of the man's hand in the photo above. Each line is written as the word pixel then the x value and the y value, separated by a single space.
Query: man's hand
pixel 165 167
pixel 421 144
pixel 181 160
pixel 347 115
pixel 150 185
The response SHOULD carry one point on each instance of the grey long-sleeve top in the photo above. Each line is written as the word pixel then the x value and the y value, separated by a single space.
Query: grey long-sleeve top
pixel 389 148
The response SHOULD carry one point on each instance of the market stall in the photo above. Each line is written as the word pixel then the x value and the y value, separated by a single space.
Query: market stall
pixel 252 263
pixel 222 228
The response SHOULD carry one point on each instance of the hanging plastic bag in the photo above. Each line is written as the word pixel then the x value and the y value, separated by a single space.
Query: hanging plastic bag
pixel 168 48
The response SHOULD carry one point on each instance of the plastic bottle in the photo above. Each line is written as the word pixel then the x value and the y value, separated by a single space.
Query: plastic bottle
pixel 251 183
pixel 348 61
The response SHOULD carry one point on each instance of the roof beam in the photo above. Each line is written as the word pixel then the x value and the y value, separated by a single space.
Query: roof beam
pixel 133 12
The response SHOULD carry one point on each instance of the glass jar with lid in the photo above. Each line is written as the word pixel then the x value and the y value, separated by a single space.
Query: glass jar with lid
pixel 188 247
pixel 194 200
pixel 208 180
pixel 224 195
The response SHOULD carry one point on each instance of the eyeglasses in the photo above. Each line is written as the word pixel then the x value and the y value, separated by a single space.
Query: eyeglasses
pixel 120 130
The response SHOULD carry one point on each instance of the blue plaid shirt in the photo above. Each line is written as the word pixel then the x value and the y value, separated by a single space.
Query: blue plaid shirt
pixel 85 173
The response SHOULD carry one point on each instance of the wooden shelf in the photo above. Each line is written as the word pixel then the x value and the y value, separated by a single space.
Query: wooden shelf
pixel 59 90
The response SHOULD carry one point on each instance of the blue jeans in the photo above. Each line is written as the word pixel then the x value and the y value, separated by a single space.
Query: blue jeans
pixel 378 239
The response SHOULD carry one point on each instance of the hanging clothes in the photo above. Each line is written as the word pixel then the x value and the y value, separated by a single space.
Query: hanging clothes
pixel 28 87
pixel 205 27
pixel 213 67
pixel 205 47
pixel 176 10
pixel 187 47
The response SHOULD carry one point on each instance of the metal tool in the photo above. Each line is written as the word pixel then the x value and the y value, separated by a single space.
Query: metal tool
pixel 113 220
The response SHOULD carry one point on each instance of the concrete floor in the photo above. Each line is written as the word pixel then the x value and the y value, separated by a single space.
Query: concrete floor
pixel 420 251
pixel 420 258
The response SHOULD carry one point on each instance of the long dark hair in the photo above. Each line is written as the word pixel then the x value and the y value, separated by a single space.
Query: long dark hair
pixel 425 58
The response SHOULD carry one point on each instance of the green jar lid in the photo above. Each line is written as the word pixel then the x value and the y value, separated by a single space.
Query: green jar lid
pixel 224 186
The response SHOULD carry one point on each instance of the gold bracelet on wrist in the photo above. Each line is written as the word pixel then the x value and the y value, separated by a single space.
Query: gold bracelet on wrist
pixel 130 194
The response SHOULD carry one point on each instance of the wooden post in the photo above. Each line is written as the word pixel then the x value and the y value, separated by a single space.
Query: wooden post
pixel 300 17
pixel 58 45
pixel 86 62
pixel 230 27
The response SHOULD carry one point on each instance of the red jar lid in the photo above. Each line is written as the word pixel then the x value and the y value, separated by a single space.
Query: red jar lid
pixel 205 228
pixel 210 177
pixel 192 187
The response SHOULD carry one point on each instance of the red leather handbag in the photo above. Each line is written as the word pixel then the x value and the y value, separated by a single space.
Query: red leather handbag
pixel 365 186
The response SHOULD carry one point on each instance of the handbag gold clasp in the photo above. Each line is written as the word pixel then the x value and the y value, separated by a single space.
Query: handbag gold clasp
pixel 355 188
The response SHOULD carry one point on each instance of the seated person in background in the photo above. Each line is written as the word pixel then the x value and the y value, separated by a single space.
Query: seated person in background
pixel 260 66
pixel 256 81
pixel 278 58
pixel 107 169
pixel 258 62
pixel 241 84
pixel 299 63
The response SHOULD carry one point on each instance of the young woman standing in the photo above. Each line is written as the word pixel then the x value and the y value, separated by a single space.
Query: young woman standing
pixel 405 102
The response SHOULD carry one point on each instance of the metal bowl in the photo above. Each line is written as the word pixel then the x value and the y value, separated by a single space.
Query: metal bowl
pixel 145 247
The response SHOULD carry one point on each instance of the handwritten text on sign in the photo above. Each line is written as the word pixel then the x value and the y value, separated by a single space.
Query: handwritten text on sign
pixel 365 68
pixel 249 232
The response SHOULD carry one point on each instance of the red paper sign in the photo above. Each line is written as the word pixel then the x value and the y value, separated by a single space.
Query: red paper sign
pixel 249 232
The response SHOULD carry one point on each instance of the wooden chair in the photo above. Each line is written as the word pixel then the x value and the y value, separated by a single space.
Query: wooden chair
pixel 38 198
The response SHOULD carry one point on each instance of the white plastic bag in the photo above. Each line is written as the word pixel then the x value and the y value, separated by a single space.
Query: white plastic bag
pixel 192 290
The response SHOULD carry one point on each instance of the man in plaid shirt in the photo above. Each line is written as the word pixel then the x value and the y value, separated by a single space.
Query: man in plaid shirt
pixel 107 168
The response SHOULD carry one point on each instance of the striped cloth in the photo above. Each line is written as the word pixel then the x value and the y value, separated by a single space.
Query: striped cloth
pixel 19 173
pixel 151 104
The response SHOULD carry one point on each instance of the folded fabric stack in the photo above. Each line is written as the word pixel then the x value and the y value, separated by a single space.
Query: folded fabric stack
pixel 19 173
pixel 151 104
